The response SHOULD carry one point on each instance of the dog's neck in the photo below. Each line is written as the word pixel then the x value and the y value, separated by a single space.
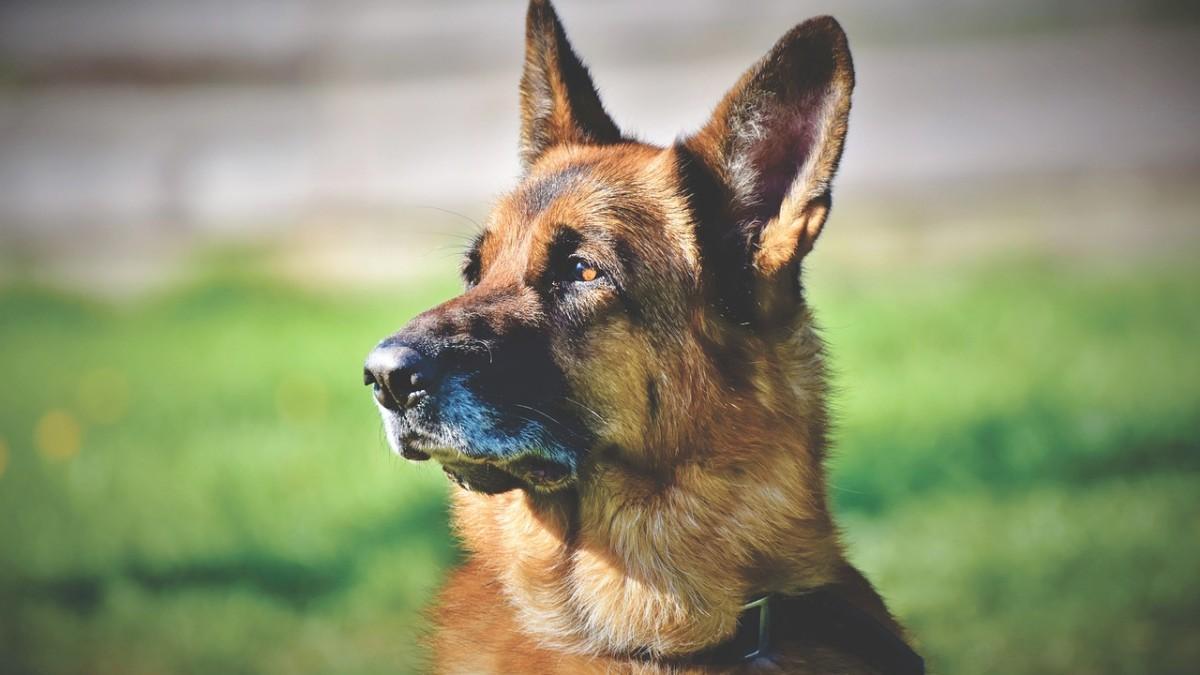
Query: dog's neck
pixel 661 559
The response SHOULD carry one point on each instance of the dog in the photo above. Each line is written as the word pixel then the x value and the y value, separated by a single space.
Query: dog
pixel 630 394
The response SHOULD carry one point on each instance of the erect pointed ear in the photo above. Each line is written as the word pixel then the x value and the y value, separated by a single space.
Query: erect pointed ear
pixel 776 138
pixel 559 103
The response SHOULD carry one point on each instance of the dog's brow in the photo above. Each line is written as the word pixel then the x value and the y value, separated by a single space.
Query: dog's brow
pixel 564 243
pixel 538 195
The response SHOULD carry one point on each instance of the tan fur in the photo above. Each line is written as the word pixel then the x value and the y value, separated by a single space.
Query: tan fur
pixel 714 491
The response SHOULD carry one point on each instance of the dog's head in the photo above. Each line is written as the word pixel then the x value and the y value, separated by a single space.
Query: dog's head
pixel 627 301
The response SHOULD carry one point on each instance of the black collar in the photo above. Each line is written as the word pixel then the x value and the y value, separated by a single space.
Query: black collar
pixel 822 616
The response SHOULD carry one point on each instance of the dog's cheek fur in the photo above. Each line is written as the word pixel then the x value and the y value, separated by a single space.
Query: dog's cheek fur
pixel 605 373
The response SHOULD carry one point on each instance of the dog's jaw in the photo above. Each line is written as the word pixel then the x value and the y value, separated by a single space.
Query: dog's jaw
pixel 463 437
pixel 529 470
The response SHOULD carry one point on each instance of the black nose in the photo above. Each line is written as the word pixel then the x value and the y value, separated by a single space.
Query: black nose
pixel 400 374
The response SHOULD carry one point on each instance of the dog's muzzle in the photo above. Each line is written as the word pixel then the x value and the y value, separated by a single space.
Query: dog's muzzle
pixel 410 388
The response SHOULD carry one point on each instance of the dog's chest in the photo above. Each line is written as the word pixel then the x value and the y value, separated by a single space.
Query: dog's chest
pixel 477 632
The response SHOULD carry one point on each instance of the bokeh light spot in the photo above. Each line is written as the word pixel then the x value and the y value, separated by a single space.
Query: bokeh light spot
pixel 301 399
pixel 104 395
pixel 58 435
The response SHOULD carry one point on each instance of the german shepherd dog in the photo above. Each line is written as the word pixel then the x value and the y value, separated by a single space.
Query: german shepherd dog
pixel 630 393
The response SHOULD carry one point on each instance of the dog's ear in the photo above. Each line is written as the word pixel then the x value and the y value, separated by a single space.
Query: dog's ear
pixel 776 138
pixel 559 103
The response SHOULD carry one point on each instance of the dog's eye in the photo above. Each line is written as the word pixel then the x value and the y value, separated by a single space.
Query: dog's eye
pixel 583 271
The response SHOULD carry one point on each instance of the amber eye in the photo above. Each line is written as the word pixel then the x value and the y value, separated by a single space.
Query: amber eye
pixel 583 271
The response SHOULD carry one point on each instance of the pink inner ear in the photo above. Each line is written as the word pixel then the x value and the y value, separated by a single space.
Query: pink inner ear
pixel 780 153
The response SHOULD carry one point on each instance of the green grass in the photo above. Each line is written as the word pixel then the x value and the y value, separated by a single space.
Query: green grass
pixel 1017 469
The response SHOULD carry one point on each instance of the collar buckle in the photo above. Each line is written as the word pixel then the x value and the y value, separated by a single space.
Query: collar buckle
pixel 763 607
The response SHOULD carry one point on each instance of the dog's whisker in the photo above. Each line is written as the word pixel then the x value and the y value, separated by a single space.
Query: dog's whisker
pixel 538 412
pixel 839 488
pixel 598 415
pixel 449 212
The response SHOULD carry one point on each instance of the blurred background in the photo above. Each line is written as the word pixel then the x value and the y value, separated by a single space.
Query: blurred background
pixel 210 211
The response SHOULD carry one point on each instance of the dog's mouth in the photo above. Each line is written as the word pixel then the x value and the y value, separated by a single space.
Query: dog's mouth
pixel 492 476
pixel 487 447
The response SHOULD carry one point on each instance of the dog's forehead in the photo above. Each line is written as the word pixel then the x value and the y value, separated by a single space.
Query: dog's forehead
pixel 627 193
